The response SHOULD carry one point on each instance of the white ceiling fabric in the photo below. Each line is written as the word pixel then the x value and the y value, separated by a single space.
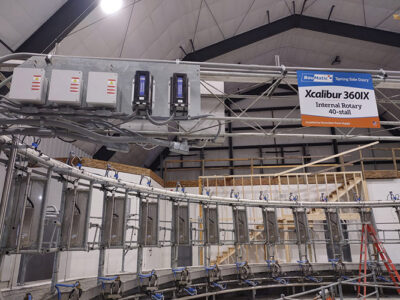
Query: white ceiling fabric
pixel 158 28
pixel 299 47
pixel 19 19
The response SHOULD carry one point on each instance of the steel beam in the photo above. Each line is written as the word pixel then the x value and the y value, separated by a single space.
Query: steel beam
pixel 58 26
pixel 363 33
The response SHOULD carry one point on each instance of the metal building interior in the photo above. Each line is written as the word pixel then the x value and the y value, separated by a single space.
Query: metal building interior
pixel 199 149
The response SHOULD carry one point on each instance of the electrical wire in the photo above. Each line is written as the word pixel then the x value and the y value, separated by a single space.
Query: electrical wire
pixel 218 132
pixel 60 138
pixel 157 123
pixel 10 102
pixel 201 147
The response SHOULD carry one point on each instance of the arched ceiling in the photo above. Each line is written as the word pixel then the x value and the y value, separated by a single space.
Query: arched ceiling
pixel 162 29
pixel 19 19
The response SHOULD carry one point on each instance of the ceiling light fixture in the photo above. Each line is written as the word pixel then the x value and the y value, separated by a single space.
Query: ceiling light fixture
pixel 110 6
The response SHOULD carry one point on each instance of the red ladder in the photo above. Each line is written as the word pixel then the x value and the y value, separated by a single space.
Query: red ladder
pixel 369 231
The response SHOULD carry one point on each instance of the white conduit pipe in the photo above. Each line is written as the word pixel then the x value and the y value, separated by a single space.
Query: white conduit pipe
pixel 209 74
pixel 283 120
pixel 62 168
pixel 261 134
pixel 209 65
pixel 322 136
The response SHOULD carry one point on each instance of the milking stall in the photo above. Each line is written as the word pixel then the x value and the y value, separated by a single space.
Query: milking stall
pixel 199 149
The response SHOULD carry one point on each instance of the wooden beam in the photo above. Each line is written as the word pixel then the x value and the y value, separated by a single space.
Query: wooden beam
pixel 100 164
pixel 327 158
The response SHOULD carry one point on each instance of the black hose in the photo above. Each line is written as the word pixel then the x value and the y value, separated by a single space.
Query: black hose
pixel 65 141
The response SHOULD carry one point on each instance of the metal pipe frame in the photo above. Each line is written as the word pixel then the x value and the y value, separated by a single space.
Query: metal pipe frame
pixel 129 188
pixel 152 192
pixel 214 72
pixel 208 66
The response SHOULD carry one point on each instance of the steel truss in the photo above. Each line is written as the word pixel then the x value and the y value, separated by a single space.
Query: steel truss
pixel 386 83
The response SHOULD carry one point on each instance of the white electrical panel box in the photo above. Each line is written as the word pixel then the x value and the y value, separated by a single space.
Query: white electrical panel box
pixel 102 89
pixel 65 87
pixel 28 86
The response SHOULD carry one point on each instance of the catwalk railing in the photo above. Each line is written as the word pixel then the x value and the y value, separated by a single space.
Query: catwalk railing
pixel 367 162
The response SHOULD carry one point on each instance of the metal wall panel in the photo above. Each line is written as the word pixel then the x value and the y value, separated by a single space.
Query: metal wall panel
pixel 23 216
pixel 118 222
pixel 180 224
pixel 74 224
pixel 211 225
pixel 270 226
pixel 301 225
pixel 334 226
pixel 241 225
pixel 114 222
pixel 148 235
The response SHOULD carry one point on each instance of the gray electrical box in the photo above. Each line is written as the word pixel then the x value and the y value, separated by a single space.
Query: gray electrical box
pixel 28 85
pixel 114 222
pixel 65 87
pixel 180 224
pixel 161 72
pixel 74 224
pixel 270 226
pixel 148 224
pixel 301 225
pixel 241 225
pixel 210 222
pixel 102 89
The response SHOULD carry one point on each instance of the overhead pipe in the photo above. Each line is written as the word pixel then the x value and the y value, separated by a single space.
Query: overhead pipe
pixel 205 65
pixel 283 120
pixel 261 134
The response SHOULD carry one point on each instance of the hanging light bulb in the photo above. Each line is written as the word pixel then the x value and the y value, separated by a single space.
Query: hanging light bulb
pixel 110 6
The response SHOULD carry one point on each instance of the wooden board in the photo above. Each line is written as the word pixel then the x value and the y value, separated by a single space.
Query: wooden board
pixel 381 174
pixel 255 181
pixel 100 164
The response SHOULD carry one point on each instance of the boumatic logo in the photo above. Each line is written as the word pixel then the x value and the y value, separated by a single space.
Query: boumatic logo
pixel 314 77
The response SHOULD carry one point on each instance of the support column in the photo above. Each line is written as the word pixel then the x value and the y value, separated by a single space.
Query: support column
pixel 230 144
pixel 57 255
pixel 260 152
pixel 7 185
pixel 139 259
pixel 46 194
pixel 102 254
pixel 174 256
pixel 338 160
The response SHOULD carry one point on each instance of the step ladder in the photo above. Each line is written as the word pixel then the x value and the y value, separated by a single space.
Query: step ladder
pixel 368 231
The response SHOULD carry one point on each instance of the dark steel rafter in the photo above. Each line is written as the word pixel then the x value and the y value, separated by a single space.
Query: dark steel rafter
pixel 58 26
pixel 268 165
pixel 289 145
pixel 295 21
